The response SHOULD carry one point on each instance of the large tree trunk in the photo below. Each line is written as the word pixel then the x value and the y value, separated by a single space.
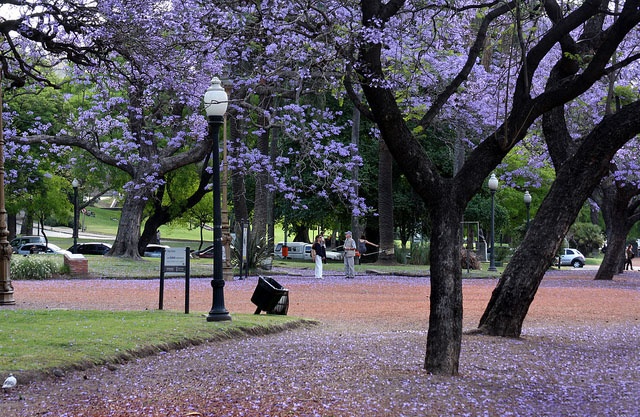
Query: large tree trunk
pixel 237 177
pixel 126 243
pixel 385 205
pixel 27 224
pixel 619 218
pixel 575 181
pixel 613 262
pixel 301 233
pixel 262 180
pixel 445 315
pixel 12 224
pixel 355 172
pixel 271 231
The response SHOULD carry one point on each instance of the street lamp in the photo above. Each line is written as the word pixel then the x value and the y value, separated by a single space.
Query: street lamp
pixel 215 103
pixel 6 288
pixel 527 202
pixel 493 187
pixel 75 185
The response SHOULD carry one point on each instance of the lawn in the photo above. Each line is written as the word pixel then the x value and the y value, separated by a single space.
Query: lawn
pixel 114 267
pixel 105 221
pixel 44 339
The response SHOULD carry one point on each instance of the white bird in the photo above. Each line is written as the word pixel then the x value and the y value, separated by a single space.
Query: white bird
pixel 9 383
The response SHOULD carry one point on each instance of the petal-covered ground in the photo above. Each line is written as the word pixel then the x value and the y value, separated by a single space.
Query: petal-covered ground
pixel 579 354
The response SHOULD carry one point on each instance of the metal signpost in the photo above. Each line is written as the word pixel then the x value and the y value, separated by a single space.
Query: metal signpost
pixel 175 260
pixel 244 238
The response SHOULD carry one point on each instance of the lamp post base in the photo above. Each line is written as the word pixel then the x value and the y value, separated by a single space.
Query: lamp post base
pixel 492 269
pixel 227 273
pixel 219 316
pixel 6 289
pixel 6 298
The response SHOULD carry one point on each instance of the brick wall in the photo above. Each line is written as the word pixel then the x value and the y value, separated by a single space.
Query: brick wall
pixel 78 264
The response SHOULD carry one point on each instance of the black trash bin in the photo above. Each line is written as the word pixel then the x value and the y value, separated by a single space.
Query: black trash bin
pixel 270 296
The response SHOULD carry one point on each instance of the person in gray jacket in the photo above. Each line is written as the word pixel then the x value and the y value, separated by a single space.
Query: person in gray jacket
pixel 349 256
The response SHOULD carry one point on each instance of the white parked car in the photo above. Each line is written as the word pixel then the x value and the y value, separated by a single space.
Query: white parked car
pixel 572 257
pixel 154 251
pixel 33 248
pixel 296 250
pixel 302 250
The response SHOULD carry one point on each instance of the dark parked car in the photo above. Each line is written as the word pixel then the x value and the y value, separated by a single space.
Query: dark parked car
pixel 92 248
pixel 208 253
pixel 204 253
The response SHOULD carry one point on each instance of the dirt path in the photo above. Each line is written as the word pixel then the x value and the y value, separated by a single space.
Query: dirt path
pixel 578 355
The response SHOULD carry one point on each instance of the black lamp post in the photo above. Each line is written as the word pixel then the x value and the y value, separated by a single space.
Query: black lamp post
pixel 75 185
pixel 527 202
pixel 493 187
pixel 215 103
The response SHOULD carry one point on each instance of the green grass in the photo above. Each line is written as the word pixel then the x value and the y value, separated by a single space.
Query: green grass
pixel 113 267
pixel 594 261
pixel 43 339
pixel 106 222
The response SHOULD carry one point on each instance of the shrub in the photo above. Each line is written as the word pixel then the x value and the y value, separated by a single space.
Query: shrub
pixel 586 237
pixel 417 254
pixel 33 267
pixel 502 253
pixel 257 251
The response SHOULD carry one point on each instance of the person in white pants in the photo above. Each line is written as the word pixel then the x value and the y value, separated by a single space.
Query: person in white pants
pixel 318 254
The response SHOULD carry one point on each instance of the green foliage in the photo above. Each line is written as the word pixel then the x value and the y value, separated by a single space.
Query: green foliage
pixel 409 212
pixel 257 251
pixel 34 267
pixel 200 214
pixel 626 93
pixel 52 200
pixel 586 237
pixel 65 269
pixel 417 254
pixel 479 209
pixel 502 253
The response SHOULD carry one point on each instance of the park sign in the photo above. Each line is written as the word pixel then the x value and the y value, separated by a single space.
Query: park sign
pixel 175 260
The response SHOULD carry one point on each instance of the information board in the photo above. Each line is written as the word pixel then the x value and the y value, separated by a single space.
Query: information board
pixel 175 260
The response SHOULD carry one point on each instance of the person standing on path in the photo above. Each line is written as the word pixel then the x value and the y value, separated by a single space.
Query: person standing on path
pixel 629 256
pixel 349 255
pixel 318 254
pixel 362 247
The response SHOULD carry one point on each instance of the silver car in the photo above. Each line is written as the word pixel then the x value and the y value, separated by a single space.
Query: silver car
pixel 33 248
pixel 572 257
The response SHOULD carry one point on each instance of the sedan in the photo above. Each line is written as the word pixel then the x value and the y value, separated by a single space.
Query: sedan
pixel 208 253
pixel 204 253
pixel 92 248
pixel 32 248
